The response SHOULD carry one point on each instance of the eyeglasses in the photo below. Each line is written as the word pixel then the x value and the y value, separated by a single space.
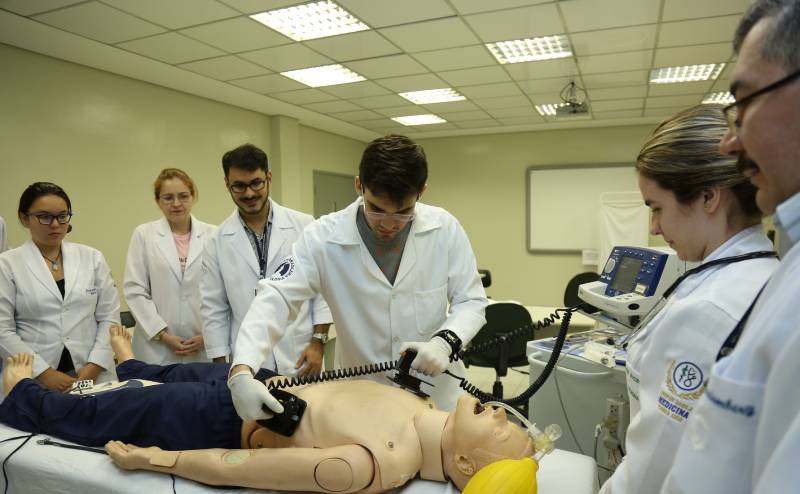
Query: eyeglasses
pixel 732 116
pixel 255 185
pixel 170 198
pixel 382 217
pixel 46 219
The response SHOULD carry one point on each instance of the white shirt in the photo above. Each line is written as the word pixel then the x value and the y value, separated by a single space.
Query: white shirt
pixel 159 294
pixel 745 433
pixel 373 317
pixel 670 359
pixel 35 319
pixel 228 286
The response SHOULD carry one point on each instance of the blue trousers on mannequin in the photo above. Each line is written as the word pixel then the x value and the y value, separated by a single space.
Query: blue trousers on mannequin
pixel 191 410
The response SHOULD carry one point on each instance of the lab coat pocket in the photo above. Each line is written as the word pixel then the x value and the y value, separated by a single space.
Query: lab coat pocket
pixel 86 300
pixel 430 309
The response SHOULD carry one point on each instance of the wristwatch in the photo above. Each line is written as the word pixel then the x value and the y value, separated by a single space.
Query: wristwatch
pixel 322 337
pixel 452 339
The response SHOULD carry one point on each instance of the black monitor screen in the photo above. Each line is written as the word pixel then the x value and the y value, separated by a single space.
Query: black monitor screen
pixel 625 278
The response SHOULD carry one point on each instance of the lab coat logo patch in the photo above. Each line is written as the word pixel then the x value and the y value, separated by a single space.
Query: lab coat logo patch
pixel 683 386
pixel 687 376
pixel 284 270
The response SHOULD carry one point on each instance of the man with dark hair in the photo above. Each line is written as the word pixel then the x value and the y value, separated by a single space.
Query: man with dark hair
pixel 394 271
pixel 246 248
pixel 744 433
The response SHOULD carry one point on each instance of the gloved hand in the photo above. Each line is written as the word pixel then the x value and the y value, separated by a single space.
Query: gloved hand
pixel 249 394
pixel 432 356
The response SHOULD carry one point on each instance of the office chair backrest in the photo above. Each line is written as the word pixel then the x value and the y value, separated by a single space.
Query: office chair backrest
pixel 571 292
pixel 501 318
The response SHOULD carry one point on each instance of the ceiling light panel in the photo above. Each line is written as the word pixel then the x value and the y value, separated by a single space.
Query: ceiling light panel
pixel 549 110
pixel 433 96
pixel 686 73
pixel 311 20
pixel 325 75
pixel 419 120
pixel 531 49
pixel 723 97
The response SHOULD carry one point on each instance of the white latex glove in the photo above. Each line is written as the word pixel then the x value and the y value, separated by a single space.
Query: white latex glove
pixel 432 358
pixel 249 394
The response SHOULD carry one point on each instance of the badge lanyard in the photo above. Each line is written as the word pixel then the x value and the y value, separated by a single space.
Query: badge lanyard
pixel 262 246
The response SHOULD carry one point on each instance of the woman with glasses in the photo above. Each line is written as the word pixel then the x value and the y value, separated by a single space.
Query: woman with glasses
pixel 57 298
pixel 162 275
pixel 706 211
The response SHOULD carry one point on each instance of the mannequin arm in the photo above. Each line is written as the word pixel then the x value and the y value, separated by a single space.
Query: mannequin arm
pixel 341 469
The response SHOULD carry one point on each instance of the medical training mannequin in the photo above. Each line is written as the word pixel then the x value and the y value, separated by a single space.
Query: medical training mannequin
pixel 162 275
pixel 57 298
pixel 706 211
pixel 355 436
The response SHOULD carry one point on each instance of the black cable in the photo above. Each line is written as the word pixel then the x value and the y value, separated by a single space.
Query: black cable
pixel 5 474
pixel 173 483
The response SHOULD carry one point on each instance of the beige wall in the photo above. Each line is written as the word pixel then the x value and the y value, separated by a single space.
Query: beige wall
pixel 481 180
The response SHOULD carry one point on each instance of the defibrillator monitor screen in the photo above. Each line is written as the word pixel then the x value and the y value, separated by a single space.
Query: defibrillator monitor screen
pixel 625 277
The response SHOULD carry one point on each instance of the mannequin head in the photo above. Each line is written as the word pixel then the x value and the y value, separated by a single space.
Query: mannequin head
pixel 475 436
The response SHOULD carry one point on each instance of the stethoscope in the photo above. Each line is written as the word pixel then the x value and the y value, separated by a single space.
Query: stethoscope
pixel 626 340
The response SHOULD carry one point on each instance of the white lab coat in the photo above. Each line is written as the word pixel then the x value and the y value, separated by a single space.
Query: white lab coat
pixel 159 295
pixel 374 318
pixel 670 359
pixel 228 286
pixel 35 319
pixel 744 434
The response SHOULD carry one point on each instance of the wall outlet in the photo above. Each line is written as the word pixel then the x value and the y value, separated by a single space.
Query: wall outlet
pixel 616 420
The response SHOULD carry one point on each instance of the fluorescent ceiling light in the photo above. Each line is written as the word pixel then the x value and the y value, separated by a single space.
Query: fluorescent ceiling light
pixel 311 20
pixel 531 49
pixel 419 120
pixel 723 97
pixel 433 96
pixel 324 75
pixel 686 73
pixel 549 110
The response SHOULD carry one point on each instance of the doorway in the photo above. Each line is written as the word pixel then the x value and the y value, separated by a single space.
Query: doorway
pixel 332 192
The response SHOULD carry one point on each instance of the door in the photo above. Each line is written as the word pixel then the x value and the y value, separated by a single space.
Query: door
pixel 332 192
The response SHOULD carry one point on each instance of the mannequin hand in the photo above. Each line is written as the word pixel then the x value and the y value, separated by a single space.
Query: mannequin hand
pixel 311 358
pixel 432 357
pixel 249 394
pixel 191 345
pixel 55 380
pixel 130 457
pixel 90 371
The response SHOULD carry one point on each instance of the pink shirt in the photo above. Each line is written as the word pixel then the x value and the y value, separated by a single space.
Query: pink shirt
pixel 182 244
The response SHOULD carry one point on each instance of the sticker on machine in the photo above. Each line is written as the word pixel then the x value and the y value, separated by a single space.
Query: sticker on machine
pixel 283 271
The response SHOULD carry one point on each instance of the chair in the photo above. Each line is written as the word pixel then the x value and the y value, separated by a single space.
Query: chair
pixel 502 318
pixel 571 292
pixel 486 277
pixel 127 320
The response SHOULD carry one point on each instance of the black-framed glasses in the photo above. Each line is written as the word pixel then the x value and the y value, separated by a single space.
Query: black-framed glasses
pixel 255 185
pixel 732 116
pixel 47 219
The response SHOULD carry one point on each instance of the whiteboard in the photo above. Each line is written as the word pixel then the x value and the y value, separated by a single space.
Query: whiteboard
pixel 564 202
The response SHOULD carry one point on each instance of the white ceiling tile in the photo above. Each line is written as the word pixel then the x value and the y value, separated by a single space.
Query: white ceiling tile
pixel 691 55
pixel 431 35
pixel 436 127
pixel 451 106
pixel 235 35
pixel 520 111
pixel 354 46
pixel 303 96
pixel 478 124
pixel 333 106
pixel 690 9
pixel 615 62
pixel 100 22
pixel 719 85
pixel 548 98
pixel 473 6
pixel 456 58
pixel 171 48
pixel 529 120
pixel 544 69
pixel 528 22
pixel 375 122
pixel 586 15
pixel 266 84
pixel 679 88
pixel 673 101
pixel 663 112
pixel 398 129
pixel 536 86
pixel 490 90
pixel 413 83
pixel 253 6
pixel 699 31
pixel 30 7
pixel 618 104
pixel 350 116
pixel 472 77
pixel 401 111
pixel 356 90
pixel 608 115
pixel 464 115
pixel 618 93
pixel 391 66
pixel 175 14
pixel 614 40
pixel 384 101
pixel 502 102
pixel 225 68
pixel 287 57
pixel 632 78
pixel 381 13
